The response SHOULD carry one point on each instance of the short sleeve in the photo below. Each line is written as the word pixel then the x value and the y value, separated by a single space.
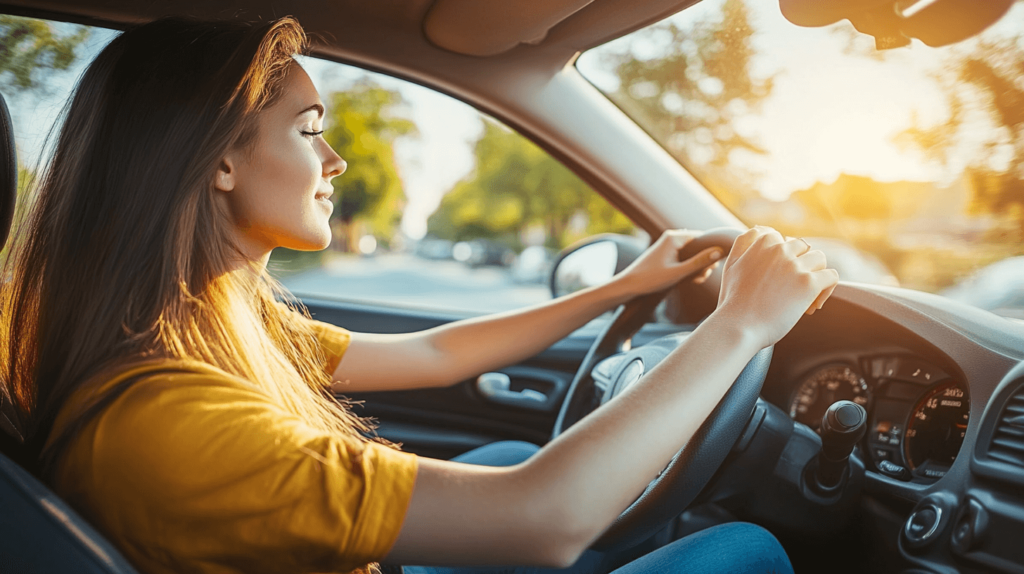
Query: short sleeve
pixel 333 339
pixel 191 472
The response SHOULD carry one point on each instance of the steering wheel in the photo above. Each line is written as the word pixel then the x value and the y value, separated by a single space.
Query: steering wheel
pixel 693 467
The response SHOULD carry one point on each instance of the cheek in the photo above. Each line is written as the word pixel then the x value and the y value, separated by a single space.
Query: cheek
pixel 285 177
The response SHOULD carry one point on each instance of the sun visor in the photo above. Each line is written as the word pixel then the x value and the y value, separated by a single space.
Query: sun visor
pixel 486 28
pixel 894 22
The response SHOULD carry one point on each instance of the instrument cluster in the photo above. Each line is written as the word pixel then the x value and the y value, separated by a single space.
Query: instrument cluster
pixel 917 414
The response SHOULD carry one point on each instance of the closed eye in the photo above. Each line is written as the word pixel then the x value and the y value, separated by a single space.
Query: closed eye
pixel 312 134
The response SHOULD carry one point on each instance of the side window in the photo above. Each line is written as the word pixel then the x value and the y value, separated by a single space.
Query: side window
pixel 441 207
pixel 39 64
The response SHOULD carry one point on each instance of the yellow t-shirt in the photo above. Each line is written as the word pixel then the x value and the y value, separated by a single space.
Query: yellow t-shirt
pixel 192 470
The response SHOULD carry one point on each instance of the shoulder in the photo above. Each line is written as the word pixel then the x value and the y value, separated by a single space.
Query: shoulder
pixel 153 416
pixel 211 456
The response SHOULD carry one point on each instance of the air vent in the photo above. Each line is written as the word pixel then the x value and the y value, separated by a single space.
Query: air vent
pixel 1008 438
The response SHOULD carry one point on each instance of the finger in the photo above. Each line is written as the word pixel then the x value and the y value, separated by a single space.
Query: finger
pixel 700 279
pixel 812 261
pixel 796 246
pixel 741 244
pixel 771 236
pixel 763 238
pixel 827 279
pixel 705 258
pixel 825 295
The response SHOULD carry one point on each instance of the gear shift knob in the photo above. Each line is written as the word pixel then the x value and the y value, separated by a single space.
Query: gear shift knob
pixel 842 427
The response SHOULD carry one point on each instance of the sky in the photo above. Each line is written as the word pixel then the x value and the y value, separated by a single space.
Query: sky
pixel 829 112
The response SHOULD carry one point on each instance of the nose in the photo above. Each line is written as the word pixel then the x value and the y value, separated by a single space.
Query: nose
pixel 333 164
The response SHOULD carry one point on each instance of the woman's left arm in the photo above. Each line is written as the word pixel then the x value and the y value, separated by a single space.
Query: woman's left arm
pixel 454 352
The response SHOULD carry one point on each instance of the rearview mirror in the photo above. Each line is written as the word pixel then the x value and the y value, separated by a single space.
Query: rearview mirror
pixel 893 23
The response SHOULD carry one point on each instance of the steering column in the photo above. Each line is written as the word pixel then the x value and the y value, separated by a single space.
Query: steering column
pixel 805 483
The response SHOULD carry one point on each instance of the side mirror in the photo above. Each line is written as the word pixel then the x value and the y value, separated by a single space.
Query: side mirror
pixel 593 261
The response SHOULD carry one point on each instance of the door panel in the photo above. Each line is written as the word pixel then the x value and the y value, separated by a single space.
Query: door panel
pixel 445 422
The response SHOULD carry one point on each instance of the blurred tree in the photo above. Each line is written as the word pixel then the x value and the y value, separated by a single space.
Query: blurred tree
pixel 987 78
pixel 28 45
pixel 848 197
pixel 516 185
pixel 691 94
pixel 363 127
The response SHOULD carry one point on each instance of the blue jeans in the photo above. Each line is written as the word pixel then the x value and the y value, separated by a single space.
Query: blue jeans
pixel 735 548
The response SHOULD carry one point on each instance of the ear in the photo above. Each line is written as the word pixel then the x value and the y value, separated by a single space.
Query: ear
pixel 224 180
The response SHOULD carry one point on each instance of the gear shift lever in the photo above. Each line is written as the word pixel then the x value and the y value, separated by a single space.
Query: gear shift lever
pixel 842 427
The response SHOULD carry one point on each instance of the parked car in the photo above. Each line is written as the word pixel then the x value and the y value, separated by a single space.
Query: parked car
pixel 434 248
pixel 533 265
pixel 480 252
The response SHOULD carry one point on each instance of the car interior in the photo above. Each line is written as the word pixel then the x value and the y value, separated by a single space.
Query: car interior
pixel 920 471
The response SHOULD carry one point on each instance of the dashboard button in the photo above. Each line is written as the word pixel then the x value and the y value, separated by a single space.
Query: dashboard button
pixel 893 470
pixel 971 524
pixel 922 524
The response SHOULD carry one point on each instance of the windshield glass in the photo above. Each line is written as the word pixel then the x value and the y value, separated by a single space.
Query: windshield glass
pixel 906 166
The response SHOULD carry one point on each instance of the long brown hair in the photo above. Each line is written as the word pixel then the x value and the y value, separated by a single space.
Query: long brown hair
pixel 125 255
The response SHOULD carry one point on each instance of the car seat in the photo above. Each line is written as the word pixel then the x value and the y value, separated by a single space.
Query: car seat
pixel 39 534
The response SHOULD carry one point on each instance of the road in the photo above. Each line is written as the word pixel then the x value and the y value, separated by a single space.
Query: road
pixel 404 279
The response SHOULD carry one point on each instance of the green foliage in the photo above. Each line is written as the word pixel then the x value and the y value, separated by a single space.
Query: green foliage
pixel 517 186
pixel 692 93
pixel 28 45
pixel 363 128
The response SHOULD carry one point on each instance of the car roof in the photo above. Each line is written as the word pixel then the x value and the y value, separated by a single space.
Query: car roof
pixel 392 32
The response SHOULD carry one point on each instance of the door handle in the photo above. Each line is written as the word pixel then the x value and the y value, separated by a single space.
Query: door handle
pixel 497 388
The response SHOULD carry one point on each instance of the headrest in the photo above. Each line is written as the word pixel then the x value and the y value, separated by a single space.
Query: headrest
pixel 8 172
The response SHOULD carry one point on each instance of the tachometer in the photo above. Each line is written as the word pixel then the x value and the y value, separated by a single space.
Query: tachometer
pixel 936 429
pixel 824 387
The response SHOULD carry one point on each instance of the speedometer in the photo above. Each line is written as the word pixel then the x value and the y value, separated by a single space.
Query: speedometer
pixel 936 429
pixel 822 388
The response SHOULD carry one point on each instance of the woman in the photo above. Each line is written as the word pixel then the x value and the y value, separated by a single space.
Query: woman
pixel 188 414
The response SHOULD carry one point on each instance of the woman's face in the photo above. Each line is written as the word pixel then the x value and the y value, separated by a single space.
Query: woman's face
pixel 278 188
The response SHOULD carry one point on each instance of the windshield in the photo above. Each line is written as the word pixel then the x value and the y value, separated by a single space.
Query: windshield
pixel 905 166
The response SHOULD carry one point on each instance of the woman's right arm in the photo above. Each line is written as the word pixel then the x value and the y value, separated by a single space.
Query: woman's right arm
pixel 549 509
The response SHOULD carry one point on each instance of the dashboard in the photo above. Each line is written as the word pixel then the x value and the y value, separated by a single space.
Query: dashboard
pixel 943 387
pixel 917 413
pixel 940 485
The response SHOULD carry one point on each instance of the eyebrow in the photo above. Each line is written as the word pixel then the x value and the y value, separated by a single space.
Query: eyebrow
pixel 318 108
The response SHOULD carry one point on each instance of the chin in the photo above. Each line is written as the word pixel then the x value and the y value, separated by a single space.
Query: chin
pixel 312 242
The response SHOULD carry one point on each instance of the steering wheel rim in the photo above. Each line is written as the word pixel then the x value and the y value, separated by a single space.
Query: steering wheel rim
pixel 693 467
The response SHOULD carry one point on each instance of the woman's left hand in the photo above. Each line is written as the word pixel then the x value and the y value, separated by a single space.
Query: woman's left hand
pixel 659 267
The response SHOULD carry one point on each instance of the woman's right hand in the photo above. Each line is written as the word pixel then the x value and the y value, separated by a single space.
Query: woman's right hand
pixel 549 509
pixel 768 282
